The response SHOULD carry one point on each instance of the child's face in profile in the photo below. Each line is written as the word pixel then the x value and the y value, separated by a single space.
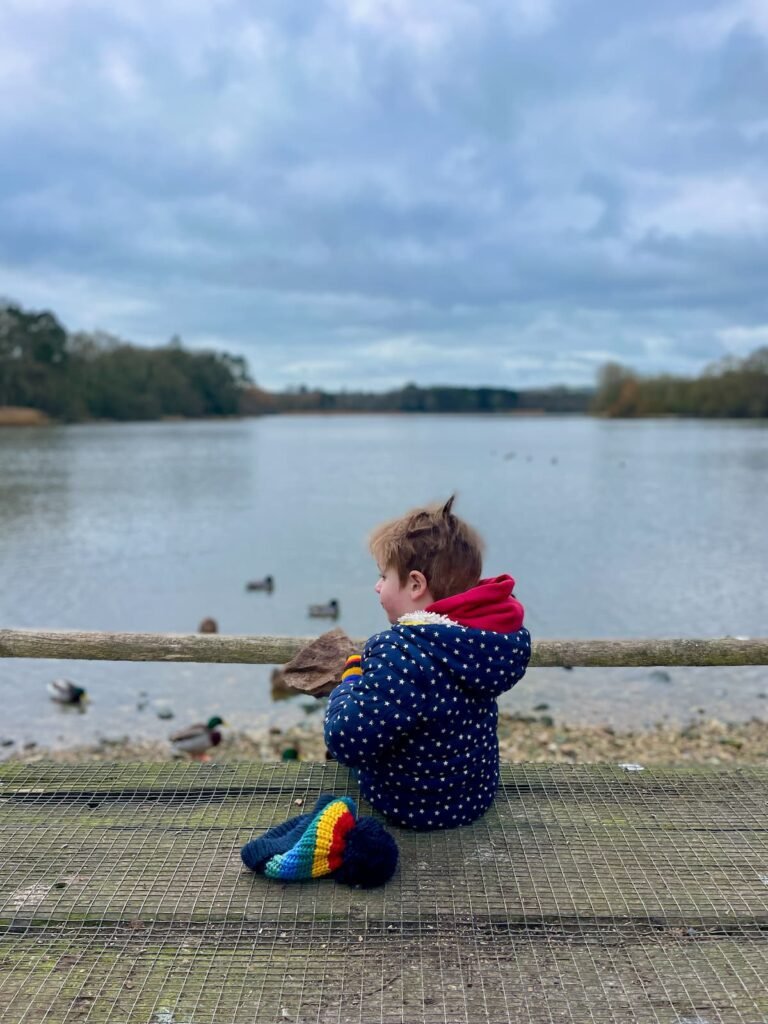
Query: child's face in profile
pixel 395 597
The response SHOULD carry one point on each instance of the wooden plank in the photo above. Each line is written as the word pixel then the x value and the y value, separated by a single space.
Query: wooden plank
pixel 359 978
pixel 587 893
pixel 552 848
pixel 167 780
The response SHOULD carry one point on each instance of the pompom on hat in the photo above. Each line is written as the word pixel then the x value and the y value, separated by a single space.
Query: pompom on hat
pixel 330 841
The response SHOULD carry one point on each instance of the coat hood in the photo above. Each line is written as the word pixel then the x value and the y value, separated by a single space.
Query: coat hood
pixel 489 605
pixel 479 661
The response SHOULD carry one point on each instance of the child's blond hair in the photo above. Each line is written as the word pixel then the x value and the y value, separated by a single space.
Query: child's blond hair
pixel 433 541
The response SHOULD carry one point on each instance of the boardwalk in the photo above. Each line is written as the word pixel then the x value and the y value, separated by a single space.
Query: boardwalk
pixel 586 894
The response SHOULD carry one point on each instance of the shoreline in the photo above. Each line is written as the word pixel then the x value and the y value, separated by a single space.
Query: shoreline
pixel 23 416
pixel 529 738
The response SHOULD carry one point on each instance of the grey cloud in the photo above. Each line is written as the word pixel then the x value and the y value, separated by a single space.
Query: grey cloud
pixel 336 187
pixel 736 83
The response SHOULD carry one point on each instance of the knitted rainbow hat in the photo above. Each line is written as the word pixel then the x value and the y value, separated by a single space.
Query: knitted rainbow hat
pixel 329 841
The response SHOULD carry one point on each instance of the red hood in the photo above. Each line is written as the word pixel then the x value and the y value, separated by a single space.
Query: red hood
pixel 489 605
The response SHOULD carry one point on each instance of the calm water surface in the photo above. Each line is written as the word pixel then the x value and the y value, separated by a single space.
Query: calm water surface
pixel 612 529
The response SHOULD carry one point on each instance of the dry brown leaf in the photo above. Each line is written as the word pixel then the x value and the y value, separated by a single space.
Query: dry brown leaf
pixel 317 668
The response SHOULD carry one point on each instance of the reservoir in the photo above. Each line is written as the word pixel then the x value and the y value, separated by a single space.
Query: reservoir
pixel 647 528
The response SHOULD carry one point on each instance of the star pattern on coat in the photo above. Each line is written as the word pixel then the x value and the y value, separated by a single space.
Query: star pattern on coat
pixel 419 722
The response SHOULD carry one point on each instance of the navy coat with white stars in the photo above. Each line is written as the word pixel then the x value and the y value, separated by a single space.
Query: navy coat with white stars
pixel 420 723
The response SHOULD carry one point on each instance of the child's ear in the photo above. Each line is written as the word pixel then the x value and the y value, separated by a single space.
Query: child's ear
pixel 417 584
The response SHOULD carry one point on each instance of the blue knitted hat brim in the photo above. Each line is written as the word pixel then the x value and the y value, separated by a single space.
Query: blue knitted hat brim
pixel 280 838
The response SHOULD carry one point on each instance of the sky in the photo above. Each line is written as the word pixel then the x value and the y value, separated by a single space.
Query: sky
pixel 364 193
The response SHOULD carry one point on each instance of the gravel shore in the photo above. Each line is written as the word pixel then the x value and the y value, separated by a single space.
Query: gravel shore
pixel 521 738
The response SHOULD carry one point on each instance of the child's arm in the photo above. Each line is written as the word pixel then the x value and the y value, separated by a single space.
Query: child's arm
pixel 371 709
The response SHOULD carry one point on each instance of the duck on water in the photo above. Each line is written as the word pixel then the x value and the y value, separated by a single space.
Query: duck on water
pixel 330 610
pixel 267 584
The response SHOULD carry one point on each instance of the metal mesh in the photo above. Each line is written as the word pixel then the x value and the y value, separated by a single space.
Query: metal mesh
pixel 586 894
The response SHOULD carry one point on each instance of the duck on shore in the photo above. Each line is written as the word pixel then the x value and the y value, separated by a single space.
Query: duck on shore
pixel 267 584
pixel 325 611
pixel 196 739
pixel 65 692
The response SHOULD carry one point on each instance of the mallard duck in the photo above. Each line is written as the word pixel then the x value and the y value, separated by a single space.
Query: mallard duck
pixel 325 611
pixel 267 584
pixel 197 738
pixel 64 692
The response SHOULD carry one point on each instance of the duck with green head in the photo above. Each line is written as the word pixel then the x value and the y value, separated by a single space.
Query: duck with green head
pixel 65 692
pixel 198 738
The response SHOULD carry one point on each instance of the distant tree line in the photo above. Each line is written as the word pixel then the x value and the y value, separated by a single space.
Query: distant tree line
pixel 97 376
pixel 731 388
pixel 84 376
pixel 413 399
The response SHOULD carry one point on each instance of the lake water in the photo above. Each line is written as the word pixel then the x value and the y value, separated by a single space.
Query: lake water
pixel 612 529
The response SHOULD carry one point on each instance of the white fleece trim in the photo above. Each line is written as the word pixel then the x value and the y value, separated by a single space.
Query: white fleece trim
pixel 425 618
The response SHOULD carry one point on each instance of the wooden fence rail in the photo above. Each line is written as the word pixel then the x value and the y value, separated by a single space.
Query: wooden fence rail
pixel 275 650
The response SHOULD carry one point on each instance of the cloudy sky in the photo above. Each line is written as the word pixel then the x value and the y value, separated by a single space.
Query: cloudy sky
pixel 359 193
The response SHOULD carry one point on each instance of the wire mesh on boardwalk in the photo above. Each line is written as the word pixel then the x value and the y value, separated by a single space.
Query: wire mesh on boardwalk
pixel 588 893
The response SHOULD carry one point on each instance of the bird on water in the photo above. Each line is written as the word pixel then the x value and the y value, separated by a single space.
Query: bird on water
pixel 325 611
pixel 267 584
pixel 65 692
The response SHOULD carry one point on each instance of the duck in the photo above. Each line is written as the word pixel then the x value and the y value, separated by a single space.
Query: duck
pixel 196 739
pixel 64 692
pixel 325 611
pixel 267 584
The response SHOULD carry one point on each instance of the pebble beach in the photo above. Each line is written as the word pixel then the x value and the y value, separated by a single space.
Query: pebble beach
pixel 528 738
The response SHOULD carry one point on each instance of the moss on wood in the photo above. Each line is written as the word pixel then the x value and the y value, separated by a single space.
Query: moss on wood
pixel 585 893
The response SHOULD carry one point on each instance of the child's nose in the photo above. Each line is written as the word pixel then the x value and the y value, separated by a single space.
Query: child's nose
pixel 377 588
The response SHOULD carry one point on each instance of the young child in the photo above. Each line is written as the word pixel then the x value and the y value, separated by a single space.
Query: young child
pixel 417 714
